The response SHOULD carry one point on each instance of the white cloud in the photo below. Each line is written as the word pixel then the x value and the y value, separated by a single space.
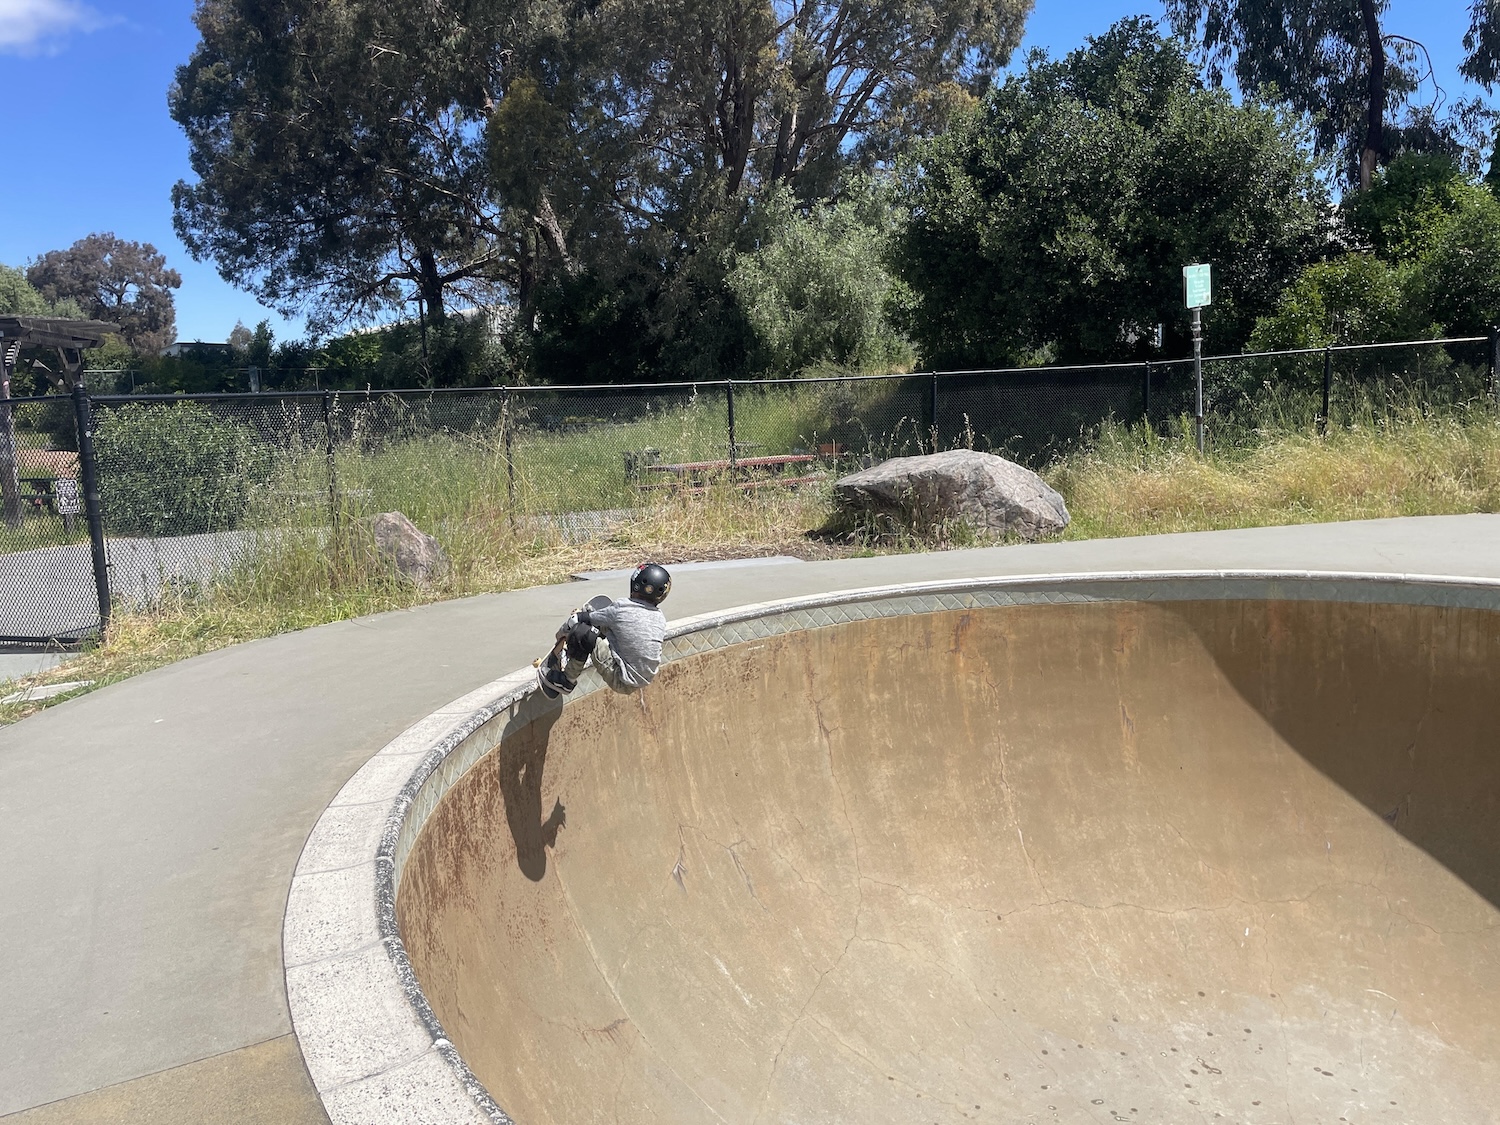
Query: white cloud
pixel 29 26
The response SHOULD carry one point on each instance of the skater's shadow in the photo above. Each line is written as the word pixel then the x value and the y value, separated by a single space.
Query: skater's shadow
pixel 522 758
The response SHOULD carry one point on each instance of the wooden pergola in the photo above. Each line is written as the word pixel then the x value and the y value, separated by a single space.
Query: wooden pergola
pixel 69 339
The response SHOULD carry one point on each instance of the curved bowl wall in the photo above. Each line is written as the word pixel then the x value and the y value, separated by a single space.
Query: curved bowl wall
pixel 1060 851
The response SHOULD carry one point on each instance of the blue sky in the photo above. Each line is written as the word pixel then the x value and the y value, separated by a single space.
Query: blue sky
pixel 103 67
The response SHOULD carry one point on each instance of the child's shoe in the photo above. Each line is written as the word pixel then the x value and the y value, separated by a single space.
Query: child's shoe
pixel 552 679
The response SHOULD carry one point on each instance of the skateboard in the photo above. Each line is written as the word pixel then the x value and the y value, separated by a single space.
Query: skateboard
pixel 599 602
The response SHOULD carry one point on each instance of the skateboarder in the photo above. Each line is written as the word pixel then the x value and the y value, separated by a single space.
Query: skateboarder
pixel 623 638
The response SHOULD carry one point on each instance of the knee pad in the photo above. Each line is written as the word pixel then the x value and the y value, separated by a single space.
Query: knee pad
pixel 581 641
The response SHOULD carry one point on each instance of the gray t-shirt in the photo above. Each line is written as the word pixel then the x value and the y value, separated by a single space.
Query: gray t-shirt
pixel 635 631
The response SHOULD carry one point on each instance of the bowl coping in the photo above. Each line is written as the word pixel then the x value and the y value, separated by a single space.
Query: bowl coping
pixel 373 1045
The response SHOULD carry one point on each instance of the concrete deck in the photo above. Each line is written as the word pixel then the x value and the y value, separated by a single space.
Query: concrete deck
pixel 151 828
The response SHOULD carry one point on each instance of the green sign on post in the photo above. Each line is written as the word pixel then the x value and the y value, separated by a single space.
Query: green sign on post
pixel 1197 285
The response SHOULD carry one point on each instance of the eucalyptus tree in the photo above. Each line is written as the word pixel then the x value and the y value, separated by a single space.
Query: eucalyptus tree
pixel 656 124
pixel 1330 59
pixel 1482 44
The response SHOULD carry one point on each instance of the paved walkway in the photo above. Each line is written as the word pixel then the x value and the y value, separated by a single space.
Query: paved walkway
pixel 150 829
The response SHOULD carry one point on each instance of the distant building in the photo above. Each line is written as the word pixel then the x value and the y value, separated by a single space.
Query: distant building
pixel 197 348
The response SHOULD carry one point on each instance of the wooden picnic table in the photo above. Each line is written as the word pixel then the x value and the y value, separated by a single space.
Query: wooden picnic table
pixel 774 461
pixel 695 473
pixel 42 494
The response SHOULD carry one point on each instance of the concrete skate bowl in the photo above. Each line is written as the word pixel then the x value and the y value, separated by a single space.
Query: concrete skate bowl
pixel 1169 851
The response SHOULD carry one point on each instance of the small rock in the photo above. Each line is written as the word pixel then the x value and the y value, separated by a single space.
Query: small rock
pixel 415 554
pixel 987 492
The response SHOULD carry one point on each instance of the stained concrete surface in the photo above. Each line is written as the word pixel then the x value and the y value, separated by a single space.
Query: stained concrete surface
pixel 264 1084
pixel 150 828
pixel 1105 862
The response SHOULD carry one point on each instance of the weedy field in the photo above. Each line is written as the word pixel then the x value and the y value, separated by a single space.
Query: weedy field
pixel 564 502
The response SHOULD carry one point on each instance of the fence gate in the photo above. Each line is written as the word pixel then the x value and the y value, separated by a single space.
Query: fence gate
pixel 53 579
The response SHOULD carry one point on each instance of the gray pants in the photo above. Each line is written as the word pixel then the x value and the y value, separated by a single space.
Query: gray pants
pixel 605 663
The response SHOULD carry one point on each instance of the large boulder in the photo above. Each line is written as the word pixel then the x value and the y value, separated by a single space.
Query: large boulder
pixel 413 553
pixel 988 493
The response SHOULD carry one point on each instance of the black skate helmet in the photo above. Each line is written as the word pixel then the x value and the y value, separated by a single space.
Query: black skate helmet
pixel 651 583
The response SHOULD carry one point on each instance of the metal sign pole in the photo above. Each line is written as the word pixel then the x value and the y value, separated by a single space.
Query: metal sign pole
pixel 1198 374
pixel 1197 291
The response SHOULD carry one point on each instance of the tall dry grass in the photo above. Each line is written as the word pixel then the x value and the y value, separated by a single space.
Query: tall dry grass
pixel 1132 481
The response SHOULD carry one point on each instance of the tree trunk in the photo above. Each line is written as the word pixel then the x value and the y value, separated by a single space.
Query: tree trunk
pixel 550 229
pixel 736 113
pixel 526 280
pixel 781 165
pixel 431 286
pixel 1375 119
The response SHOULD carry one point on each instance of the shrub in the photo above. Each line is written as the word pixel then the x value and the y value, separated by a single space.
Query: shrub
pixel 816 289
pixel 174 469
pixel 1356 299
pixel 1458 274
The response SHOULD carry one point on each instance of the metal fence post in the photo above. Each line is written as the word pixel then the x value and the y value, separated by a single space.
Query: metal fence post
pixel 1327 388
pixel 10 480
pixel 510 464
pixel 932 411
pixel 1146 391
pixel 333 470
pixel 88 479
pixel 1494 360
pixel 734 459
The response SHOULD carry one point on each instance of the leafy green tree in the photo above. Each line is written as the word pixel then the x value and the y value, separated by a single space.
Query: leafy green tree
pixel 1354 299
pixel 19 297
pixel 1403 202
pixel 1482 44
pixel 1057 218
pixel 114 354
pixel 117 281
pixel 662 310
pixel 239 338
pixel 816 289
pixel 661 124
pixel 1432 268
pixel 338 153
pixel 1457 276
pixel 1329 59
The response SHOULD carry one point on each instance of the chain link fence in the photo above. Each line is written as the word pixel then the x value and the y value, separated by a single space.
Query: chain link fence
pixel 190 490
pixel 47 587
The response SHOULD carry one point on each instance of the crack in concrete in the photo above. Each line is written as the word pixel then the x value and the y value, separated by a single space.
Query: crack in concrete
pixel 825 734
pixel 801 1014
pixel 733 856
pixel 614 992
pixel 772 849
pixel 1010 798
